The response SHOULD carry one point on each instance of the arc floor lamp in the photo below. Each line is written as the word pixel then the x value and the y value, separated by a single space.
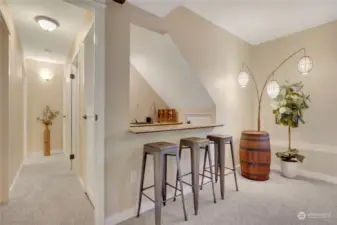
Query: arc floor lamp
pixel 305 65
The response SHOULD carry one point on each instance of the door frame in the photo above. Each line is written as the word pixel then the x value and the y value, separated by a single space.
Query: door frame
pixel 4 114
pixel 99 9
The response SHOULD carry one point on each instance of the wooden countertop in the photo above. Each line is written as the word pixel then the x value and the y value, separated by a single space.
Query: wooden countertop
pixel 154 124
pixel 153 129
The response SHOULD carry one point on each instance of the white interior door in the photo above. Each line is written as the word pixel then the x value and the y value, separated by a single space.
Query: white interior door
pixel 70 113
pixel 75 120
pixel 89 92
pixel 65 113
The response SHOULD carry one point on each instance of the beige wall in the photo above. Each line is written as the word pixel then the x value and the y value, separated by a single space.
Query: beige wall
pixel 317 138
pixel 142 96
pixel 4 123
pixel 87 23
pixel 40 94
pixel 218 75
pixel 15 107
pixel 216 57
pixel 15 115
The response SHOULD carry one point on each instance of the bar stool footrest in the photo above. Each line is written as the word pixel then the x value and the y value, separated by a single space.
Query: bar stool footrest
pixel 168 184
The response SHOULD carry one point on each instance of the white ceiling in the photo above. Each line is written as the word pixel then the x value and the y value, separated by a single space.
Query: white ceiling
pixel 255 21
pixel 34 40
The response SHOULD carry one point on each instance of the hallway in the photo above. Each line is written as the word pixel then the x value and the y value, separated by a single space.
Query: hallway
pixel 47 193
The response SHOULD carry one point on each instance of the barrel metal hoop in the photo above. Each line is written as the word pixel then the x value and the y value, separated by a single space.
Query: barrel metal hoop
pixel 254 174
pixel 254 149
pixel 255 135
pixel 255 163
pixel 255 140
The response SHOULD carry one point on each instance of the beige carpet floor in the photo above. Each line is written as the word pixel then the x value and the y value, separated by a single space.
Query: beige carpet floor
pixel 47 193
pixel 275 202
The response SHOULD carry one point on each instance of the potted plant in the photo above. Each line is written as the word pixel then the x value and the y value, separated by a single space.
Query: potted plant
pixel 288 109
pixel 47 119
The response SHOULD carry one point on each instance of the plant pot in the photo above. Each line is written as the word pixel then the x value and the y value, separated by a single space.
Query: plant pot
pixel 289 169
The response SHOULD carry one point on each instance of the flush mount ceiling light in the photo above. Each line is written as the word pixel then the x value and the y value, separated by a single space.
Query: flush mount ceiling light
pixel 46 23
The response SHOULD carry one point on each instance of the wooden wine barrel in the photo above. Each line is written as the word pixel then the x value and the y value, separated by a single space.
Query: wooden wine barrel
pixel 255 155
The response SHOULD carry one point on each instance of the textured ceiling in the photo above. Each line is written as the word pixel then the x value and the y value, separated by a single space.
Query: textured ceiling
pixel 41 45
pixel 255 21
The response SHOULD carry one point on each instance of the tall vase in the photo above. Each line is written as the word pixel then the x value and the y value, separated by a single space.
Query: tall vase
pixel 46 149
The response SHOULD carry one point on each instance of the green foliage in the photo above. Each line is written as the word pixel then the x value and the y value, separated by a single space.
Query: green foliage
pixel 289 105
pixel 288 109
pixel 290 156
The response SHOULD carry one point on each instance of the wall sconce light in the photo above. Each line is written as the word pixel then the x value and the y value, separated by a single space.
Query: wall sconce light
pixel 46 74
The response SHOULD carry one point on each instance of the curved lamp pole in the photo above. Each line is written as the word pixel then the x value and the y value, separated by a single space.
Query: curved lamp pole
pixel 304 66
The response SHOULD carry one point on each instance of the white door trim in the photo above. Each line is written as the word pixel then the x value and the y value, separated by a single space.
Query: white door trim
pixel 100 111
pixel 99 9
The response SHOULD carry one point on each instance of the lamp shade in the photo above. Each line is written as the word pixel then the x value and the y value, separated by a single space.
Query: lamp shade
pixel 305 65
pixel 273 89
pixel 243 78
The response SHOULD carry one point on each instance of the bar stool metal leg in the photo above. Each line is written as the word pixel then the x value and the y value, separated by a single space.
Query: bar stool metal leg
pixel 181 184
pixel 204 169
pixel 221 149
pixel 234 167
pixel 175 191
pixel 142 182
pixel 195 176
pixel 216 161
pixel 158 182
pixel 164 191
pixel 211 170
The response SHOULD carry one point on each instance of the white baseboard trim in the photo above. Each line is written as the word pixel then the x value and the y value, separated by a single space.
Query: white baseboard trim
pixel 82 183
pixel 15 178
pixel 87 191
pixel 306 146
pixel 53 151
pixel 309 174
pixel 91 196
pixel 146 206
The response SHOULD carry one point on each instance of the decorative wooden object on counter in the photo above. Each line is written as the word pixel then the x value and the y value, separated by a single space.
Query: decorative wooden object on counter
pixel 167 115
pixel 46 149
pixel 255 155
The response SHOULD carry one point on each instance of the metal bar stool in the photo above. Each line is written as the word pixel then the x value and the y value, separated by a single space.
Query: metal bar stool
pixel 195 144
pixel 159 150
pixel 219 158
